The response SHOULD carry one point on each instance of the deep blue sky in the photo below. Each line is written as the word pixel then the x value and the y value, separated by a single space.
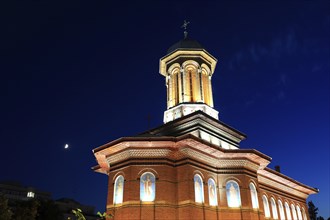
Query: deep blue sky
pixel 86 73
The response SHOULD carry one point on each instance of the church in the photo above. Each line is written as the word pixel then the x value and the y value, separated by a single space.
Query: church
pixel 192 167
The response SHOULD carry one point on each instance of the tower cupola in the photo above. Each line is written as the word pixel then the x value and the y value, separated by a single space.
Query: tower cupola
pixel 188 69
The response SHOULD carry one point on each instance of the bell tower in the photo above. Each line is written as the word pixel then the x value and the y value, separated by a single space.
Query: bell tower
pixel 188 69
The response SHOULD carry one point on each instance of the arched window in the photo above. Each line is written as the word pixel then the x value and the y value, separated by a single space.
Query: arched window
pixel 212 192
pixel 147 187
pixel 206 85
pixel 287 210
pixel 254 196
pixel 280 207
pixel 294 213
pixel 233 194
pixel 199 189
pixel 274 209
pixel 304 214
pixel 299 213
pixel 173 88
pixel 118 192
pixel 266 206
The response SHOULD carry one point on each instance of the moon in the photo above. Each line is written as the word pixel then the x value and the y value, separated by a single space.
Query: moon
pixel 66 146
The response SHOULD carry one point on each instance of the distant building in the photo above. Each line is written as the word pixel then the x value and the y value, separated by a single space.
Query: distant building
pixel 15 191
pixel 192 167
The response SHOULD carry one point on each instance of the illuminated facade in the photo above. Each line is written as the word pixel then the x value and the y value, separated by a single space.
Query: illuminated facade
pixel 192 167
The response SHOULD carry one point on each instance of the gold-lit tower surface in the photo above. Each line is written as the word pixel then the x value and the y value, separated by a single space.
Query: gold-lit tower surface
pixel 188 70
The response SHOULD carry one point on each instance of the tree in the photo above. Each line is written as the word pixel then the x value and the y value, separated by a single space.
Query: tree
pixel 80 216
pixel 26 210
pixel 49 210
pixel 78 213
pixel 312 211
pixel 320 218
pixel 5 212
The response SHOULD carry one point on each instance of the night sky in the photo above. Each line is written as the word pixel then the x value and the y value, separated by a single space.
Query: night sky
pixel 85 73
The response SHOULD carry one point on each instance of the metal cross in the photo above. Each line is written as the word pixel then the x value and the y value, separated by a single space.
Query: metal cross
pixel 184 26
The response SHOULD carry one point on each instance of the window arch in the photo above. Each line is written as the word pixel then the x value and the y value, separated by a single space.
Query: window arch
pixel 299 213
pixel 199 189
pixel 190 85
pixel 274 209
pixel 233 194
pixel 266 206
pixel 212 192
pixel 118 192
pixel 174 87
pixel 280 207
pixel 287 210
pixel 147 187
pixel 254 196
pixel 205 80
pixel 294 213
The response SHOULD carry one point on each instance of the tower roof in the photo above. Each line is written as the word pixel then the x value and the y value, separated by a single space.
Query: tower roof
pixel 186 44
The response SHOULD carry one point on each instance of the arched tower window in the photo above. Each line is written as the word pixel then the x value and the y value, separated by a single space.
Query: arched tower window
pixel 233 194
pixel 212 192
pixel 147 187
pixel 294 213
pixel 207 87
pixel 118 193
pixel 299 213
pixel 254 196
pixel 266 206
pixel 287 210
pixel 274 209
pixel 280 207
pixel 173 86
pixel 191 88
pixel 199 189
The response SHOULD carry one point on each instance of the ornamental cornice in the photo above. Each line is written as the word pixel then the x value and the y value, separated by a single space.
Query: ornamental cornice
pixel 176 150
pixel 198 120
pixel 187 149
pixel 273 178
pixel 279 186
pixel 201 53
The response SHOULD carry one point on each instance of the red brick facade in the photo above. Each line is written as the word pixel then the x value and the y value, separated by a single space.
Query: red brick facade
pixel 175 162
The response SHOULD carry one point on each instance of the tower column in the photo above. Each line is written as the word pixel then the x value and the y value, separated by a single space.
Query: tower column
pixel 200 82
pixel 186 86
pixel 170 91
pixel 206 88
pixel 210 91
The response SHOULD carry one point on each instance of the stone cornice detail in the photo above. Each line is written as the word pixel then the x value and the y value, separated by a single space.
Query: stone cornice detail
pixel 286 184
pixel 175 150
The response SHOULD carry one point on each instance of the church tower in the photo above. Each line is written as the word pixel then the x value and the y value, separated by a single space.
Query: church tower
pixel 188 69
pixel 192 167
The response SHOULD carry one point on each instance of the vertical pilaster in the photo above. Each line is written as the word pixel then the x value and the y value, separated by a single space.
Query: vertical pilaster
pixel 181 87
pixel 170 91
pixel 210 92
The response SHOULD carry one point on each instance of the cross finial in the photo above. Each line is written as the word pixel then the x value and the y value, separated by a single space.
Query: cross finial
pixel 184 26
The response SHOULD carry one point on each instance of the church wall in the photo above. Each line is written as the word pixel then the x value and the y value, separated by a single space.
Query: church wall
pixel 175 193
pixel 230 214
pixel 211 213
